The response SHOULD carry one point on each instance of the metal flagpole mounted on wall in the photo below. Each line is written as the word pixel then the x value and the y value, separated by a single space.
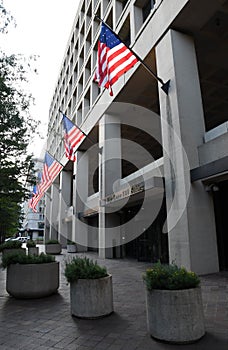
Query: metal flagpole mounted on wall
pixel 55 159
pixel 165 85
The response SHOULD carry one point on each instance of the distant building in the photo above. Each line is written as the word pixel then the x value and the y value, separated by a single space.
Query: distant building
pixel 180 168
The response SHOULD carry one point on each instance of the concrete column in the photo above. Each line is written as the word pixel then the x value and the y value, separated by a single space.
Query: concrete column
pixel 54 212
pixel 74 201
pixel 192 240
pixel 64 204
pixel 80 228
pixel 109 172
pixel 47 217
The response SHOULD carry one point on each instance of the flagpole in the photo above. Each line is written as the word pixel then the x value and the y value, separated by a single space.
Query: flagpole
pixel 165 86
pixel 55 158
pixel 71 122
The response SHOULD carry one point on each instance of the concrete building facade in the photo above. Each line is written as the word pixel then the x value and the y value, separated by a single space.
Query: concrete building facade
pixel 150 180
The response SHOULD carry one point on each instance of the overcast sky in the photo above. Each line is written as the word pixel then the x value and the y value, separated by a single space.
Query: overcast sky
pixel 43 28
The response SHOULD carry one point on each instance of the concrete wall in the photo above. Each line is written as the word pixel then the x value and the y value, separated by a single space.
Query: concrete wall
pixel 214 149
pixel 191 223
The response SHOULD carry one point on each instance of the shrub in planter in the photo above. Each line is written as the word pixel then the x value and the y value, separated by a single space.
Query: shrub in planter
pixel 18 258
pixel 90 288
pixel 12 246
pixel 174 304
pixel 53 247
pixel 71 247
pixel 31 244
pixel 52 241
pixel 30 276
pixel 32 248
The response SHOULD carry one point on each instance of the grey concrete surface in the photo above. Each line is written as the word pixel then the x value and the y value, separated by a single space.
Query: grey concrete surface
pixel 175 316
pixel 32 280
pixel 46 323
pixel 92 298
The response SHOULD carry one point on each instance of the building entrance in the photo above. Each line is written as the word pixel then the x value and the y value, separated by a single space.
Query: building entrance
pixel 152 244
pixel 221 217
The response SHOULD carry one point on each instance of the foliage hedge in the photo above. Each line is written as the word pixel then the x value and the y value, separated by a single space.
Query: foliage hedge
pixel 31 244
pixel 83 268
pixel 52 241
pixel 10 245
pixel 69 242
pixel 170 277
pixel 18 258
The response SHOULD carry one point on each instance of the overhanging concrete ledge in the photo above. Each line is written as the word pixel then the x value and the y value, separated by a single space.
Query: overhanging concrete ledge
pixel 219 166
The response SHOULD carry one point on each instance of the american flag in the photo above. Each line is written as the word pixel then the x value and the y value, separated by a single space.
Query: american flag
pixel 51 169
pixel 35 200
pixel 113 59
pixel 72 137
pixel 33 196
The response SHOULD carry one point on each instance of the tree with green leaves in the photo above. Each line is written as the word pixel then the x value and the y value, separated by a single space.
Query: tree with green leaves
pixel 16 131
pixel 5 18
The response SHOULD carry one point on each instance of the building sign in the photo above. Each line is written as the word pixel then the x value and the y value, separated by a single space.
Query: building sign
pixel 114 197
pixel 125 193
pixel 89 212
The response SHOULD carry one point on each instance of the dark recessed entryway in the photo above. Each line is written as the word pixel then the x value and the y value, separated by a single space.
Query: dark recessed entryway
pixel 152 244
pixel 221 217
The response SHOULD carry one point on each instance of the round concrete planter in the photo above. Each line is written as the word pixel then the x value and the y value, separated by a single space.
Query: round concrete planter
pixel 33 250
pixel 71 248
pixel 53 248
pixel 92 298
pixel 25 281
pixel 175 316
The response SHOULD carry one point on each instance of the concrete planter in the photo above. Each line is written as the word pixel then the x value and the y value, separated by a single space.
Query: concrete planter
pixel 175 316
pixel 53 248
pixel 92 298
pixel 28 281
pixel 14 250
pixel 71 248
pixel 33 250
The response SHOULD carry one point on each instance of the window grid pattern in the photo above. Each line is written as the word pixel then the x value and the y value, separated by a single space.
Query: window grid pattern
pixel 75 92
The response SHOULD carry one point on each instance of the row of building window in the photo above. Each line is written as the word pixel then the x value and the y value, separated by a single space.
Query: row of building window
pixel 76 92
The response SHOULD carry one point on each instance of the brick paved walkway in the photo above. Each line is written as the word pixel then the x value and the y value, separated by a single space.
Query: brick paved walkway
pixel 46 323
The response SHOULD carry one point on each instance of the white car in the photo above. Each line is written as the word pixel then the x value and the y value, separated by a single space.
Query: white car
pixel 21 239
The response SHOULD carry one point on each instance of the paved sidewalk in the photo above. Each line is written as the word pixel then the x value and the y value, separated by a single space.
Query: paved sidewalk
pixel 46 323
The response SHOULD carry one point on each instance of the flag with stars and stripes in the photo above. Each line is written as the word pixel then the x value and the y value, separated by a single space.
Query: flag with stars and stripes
pixel 72 137
pixel 51 169
pixel 32 198
pixel 113 59
pixel 35 200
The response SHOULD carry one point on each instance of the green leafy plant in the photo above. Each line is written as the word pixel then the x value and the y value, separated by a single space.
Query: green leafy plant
pixel 83 268
pixel 18 258
pixel 16 128
pixel 170 277
pixel 10 245
pixel 69 242
pixel 52 241
pixel 31 244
